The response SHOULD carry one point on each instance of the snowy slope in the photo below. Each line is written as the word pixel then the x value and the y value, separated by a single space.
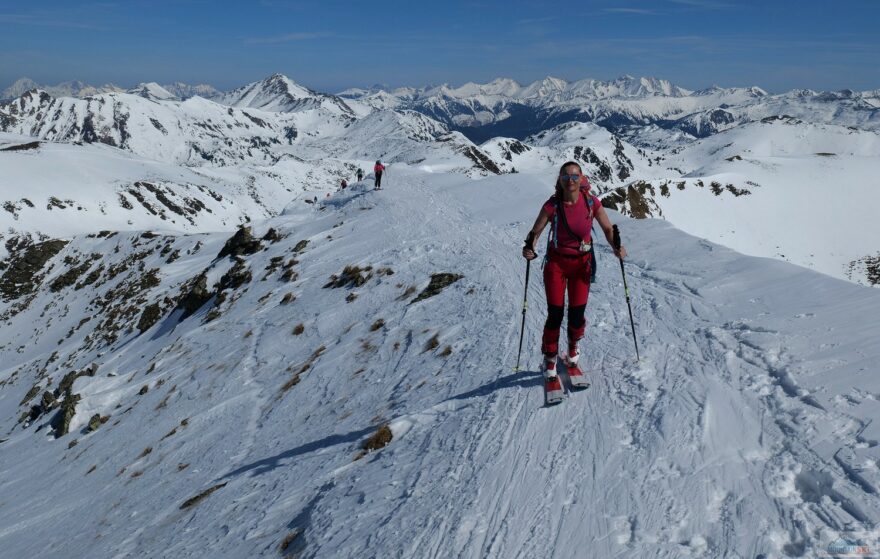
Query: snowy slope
pixel 61 190
pixel 403 137
pixel 747 430
pixel 799 192
pixel 194 132
pixel 606 159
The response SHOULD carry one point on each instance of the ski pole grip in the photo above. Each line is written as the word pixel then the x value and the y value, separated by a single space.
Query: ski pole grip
pixel 616 237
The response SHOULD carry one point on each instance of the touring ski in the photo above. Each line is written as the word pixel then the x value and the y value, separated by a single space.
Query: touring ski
pixel 553 392
pixel 575 375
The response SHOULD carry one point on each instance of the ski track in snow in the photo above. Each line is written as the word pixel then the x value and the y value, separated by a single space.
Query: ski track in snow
pixel 711 446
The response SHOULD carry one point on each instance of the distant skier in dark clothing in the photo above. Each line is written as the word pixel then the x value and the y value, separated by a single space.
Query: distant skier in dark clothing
pixel 568 267
pixel 360 174
pixel 378 169
pixel 344 184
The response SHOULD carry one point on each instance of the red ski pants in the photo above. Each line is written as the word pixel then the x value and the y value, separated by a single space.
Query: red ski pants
pixel 573 274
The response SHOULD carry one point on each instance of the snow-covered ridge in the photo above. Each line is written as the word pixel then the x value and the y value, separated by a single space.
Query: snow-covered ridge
pixel 780 189
pixel 60 190
pixel 606 159
pixel 194 131
pixel 222 389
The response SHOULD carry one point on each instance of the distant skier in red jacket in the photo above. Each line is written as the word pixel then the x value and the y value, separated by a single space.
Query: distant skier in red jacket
pixel 378 169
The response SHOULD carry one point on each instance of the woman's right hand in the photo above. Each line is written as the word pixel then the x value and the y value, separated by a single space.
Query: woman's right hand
pixel 528 253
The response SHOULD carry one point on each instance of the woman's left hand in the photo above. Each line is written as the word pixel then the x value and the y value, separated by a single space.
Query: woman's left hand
pixel 620 252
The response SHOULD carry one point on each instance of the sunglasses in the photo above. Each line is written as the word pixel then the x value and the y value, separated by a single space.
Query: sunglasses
pixel 566 178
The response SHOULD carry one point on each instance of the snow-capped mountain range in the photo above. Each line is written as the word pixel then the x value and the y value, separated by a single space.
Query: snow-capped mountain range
pixel 505 108
pixel 64 89
pixel 275 133
pixel 79 89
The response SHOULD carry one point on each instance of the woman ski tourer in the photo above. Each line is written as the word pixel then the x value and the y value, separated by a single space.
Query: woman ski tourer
pixel 569 265
pixel 378 169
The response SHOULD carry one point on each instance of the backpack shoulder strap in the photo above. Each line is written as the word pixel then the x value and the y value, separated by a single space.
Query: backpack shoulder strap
pixel 556 224
pixel 589 199
pixel 560 211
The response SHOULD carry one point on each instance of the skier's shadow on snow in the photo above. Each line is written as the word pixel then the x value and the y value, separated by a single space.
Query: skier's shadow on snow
pixel 268 464
pixel 347 196
pixel 524 379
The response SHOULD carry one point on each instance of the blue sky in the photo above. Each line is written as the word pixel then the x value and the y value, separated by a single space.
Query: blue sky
pixel 330 45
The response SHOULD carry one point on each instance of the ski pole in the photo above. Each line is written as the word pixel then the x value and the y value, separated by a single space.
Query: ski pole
pixel 522 330
pixel 632 324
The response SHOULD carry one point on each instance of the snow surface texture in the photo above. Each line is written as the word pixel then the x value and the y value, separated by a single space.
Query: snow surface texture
pixel 802 193
pixel 746 430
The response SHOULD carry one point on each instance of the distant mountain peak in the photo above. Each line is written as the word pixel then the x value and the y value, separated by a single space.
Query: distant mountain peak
pixel 152 90
pixel 185 91
pixel 74 88
pixel 279 93
pixel 18 88
pixel 555 82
